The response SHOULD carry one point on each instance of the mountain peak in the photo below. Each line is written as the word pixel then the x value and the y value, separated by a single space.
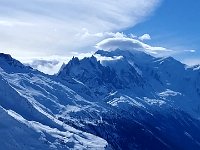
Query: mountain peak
pixel 9 64
pixel 6 57
pixel 119 73
pixel 75 58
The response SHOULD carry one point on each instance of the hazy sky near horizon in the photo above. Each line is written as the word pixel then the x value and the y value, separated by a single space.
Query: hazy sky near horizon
pixel 49 29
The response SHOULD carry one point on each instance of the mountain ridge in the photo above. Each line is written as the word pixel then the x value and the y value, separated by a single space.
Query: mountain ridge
pixel 105 101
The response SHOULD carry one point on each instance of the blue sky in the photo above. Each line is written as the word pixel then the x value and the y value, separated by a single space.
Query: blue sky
pixel 57 30
pixel 175 25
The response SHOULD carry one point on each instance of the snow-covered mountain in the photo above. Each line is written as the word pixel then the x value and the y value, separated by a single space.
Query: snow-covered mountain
pixel 138 75
pixel 30 105
pixel 112 100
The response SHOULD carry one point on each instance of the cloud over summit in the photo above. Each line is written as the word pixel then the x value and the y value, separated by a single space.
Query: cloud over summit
pixel 128 43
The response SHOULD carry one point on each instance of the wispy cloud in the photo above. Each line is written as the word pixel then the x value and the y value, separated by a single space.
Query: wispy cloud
pixel 190 50
pixel 145 37
pixel 103 58
pixel 47 27
pixel 191 61
pixel 46 66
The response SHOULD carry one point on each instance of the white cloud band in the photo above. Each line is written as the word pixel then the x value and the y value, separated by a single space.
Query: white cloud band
pixel 127 43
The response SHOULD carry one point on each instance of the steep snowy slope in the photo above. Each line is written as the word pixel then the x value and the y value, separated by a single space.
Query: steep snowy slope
pixel 30 103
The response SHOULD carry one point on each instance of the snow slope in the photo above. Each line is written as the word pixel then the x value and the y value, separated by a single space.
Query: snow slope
pixel 29 103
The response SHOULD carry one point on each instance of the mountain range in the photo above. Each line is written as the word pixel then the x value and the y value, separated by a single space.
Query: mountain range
pixel 114 100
